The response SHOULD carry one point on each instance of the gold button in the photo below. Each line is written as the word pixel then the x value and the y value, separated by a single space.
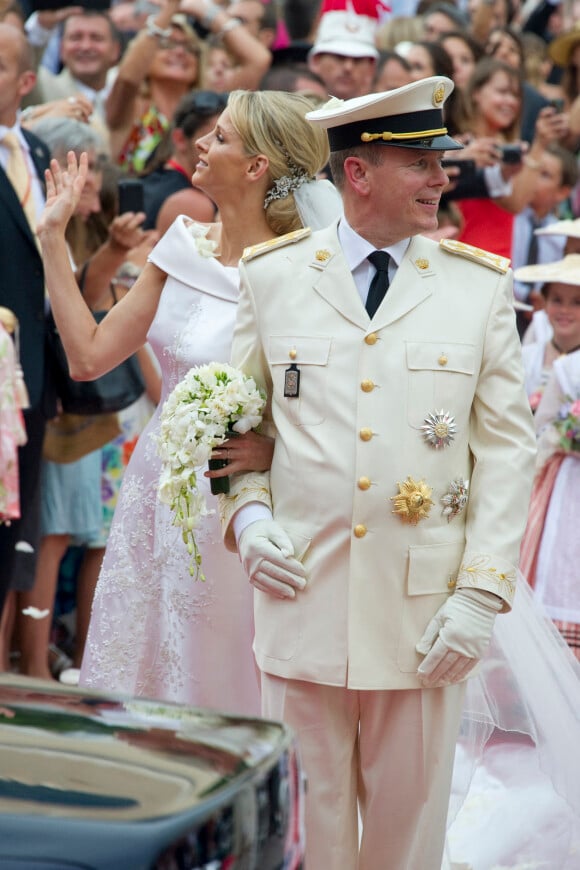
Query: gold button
pixel 451 583
pixel 367 386
pixel 366 434
pixel 371 338
pixel 360 531
pixel 442 360
pixel 292 353
pixel 364 483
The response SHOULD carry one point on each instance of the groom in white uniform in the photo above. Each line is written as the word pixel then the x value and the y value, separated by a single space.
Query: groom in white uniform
pixel 385 539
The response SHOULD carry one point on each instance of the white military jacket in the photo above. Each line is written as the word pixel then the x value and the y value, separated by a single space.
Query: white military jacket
pixel 393 418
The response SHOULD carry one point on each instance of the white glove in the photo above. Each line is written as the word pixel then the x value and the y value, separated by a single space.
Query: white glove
pixel 457 636
pixel 267 555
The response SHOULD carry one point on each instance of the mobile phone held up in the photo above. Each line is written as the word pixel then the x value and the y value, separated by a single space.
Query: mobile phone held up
pixel 131 196
pixel 558 105
pixel 511 154
pixel 465 167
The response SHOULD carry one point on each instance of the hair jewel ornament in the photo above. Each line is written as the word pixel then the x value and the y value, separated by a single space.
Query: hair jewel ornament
pixel 286 184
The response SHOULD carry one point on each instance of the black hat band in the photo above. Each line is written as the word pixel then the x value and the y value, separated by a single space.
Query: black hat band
pixel 394 128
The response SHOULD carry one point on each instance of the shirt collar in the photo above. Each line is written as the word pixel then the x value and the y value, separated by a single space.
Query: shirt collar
pixel 17 130
pixel 356 249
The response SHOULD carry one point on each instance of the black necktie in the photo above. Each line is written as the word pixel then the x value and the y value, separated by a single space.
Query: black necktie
pixel 532 257
pixel 380 282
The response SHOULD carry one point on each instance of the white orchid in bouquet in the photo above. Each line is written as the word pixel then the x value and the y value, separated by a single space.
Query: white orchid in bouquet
pixel 203 410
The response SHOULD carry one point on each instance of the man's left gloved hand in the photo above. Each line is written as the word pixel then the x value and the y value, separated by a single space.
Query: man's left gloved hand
pixel 457 636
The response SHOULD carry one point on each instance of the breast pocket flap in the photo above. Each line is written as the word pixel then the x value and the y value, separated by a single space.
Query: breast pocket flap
pixel 443 357
pixel 294 349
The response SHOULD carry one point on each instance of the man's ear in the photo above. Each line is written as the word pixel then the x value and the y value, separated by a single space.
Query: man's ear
pixel 258 166
pixel 564 193
pixel 314 63
pixel 356 175
pixel 27 82
pixel 178 138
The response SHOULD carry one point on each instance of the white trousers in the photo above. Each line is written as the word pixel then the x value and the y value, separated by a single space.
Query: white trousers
pixel 387 754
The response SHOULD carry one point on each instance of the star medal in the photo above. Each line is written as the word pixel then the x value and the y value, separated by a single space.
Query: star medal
pixel 439 429
pixel 413 502
pixel 455 499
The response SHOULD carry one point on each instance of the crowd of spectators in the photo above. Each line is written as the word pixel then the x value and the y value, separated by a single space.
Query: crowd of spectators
pixel 146 78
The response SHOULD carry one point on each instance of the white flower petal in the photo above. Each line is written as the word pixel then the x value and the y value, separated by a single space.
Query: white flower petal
pixel 35 613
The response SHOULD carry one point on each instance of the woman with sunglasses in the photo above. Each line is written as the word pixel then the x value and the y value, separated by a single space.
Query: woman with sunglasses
pixel 163 63
pixel 158 68
pixel 154 631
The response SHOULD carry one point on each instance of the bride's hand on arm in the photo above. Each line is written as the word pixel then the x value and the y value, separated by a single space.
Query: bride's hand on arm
pixel 63 191
pixel 249 452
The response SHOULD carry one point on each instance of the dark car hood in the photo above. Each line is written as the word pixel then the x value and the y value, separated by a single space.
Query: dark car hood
pixel 77 754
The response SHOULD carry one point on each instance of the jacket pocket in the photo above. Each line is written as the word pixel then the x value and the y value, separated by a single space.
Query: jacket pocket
pixel 431 577
pixel 310 355
pixel 438 374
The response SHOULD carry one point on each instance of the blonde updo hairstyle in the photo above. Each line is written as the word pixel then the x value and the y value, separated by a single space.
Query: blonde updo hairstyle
pixel 273 123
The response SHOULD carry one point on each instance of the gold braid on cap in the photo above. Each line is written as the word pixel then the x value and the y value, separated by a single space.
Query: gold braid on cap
pixel 387 136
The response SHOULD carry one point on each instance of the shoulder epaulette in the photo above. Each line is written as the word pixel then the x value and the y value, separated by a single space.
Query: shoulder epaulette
pixel 277 242
pixel 477 255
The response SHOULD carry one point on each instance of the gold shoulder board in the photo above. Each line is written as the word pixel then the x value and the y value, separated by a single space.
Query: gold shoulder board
pixel 277 242
pixel 477 255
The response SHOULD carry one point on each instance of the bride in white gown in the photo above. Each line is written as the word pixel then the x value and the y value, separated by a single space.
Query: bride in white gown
pixel 154 631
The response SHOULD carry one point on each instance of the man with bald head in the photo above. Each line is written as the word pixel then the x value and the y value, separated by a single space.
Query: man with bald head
pixel 23 159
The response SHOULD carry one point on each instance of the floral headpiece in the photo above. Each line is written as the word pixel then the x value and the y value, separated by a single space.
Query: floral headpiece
pixel 286 184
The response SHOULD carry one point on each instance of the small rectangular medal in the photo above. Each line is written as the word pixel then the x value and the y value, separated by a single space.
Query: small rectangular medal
pixel 292 382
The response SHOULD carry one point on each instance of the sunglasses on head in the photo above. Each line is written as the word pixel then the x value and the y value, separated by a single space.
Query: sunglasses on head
pixel 166 43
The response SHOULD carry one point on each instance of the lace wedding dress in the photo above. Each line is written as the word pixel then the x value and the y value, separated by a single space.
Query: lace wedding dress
pixel 154 631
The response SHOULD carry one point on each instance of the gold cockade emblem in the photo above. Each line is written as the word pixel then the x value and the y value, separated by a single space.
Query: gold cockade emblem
pixel 438 96
pixel 413 502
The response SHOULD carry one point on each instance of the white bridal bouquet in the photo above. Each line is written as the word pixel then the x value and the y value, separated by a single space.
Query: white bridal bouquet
pixel 204 409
